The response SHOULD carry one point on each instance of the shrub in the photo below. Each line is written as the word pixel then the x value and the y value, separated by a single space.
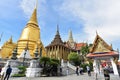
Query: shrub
pixel 21 73
pixel 18 75
pixel 22 69
pixel 84 67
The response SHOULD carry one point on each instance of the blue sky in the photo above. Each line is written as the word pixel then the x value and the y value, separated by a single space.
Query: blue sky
pixel 83 17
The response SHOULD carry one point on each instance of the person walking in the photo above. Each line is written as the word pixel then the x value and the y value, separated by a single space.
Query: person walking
pixel 80 70
pixel 60 70
pixel 106 74
pixel 77 70
pixel 67 71
pixel 95 72
pixel 88 70
pixel 8 72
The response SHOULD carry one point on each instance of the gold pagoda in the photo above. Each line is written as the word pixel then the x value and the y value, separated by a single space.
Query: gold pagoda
pixel 7 48
pixel 30 37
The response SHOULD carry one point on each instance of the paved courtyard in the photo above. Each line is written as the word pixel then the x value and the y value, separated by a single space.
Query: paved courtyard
pixel 69 77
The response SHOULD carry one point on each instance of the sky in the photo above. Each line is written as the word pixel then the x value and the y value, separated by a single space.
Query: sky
pixel 83 17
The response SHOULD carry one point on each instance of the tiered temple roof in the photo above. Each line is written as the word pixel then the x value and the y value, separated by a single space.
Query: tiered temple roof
pixel 57 39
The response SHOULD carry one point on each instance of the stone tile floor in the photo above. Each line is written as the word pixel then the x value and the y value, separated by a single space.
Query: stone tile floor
pixel 69 77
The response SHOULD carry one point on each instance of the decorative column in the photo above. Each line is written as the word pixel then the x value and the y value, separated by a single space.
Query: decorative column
pixel 58 53
pixel 48 52
pixel 114 67
pixel 63 53
pixel 62 63
pixel 52 52
pixel 95 66
pixel 119 55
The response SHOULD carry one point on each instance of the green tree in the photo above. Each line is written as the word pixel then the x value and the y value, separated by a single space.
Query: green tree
pixel 54 66
pixel 49 65
pixel 54 61
pixel 45 61
pixel 75 58
pixel 85 50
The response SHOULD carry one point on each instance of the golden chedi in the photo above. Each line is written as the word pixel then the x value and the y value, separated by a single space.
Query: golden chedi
pixel 7 48
pixel 30 36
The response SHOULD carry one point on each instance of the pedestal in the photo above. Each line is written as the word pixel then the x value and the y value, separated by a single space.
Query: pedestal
pixel 34 70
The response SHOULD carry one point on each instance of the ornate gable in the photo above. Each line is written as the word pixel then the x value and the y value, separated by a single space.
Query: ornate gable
pixel 100 45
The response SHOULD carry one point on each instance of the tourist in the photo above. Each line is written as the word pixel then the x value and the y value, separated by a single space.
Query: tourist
pixel 88 70
pixel 95 72
pixel 106 74
pixel 67 70
pixel 2 73
pixel 61 70
pixel 0 69
pixel 77 69
pixel 118 69
pixel 8 72
pixel 81 70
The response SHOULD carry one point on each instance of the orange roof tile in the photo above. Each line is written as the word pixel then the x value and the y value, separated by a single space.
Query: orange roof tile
pixel 102 54
pixel 79 45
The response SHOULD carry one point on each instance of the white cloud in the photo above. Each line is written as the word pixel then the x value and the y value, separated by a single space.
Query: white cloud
pixel 100 15
pixel 29 5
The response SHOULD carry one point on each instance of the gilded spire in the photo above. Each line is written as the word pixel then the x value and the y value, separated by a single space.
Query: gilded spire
pixel 57 33
pixel 70 37
pixel 10 40
pixel 33 18
pixel 57 39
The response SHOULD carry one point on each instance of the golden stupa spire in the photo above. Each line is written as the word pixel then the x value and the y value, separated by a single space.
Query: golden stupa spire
pixel 10 40
pixel 33 18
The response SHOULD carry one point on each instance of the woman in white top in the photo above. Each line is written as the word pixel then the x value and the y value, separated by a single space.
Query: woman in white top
pixel 95 71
